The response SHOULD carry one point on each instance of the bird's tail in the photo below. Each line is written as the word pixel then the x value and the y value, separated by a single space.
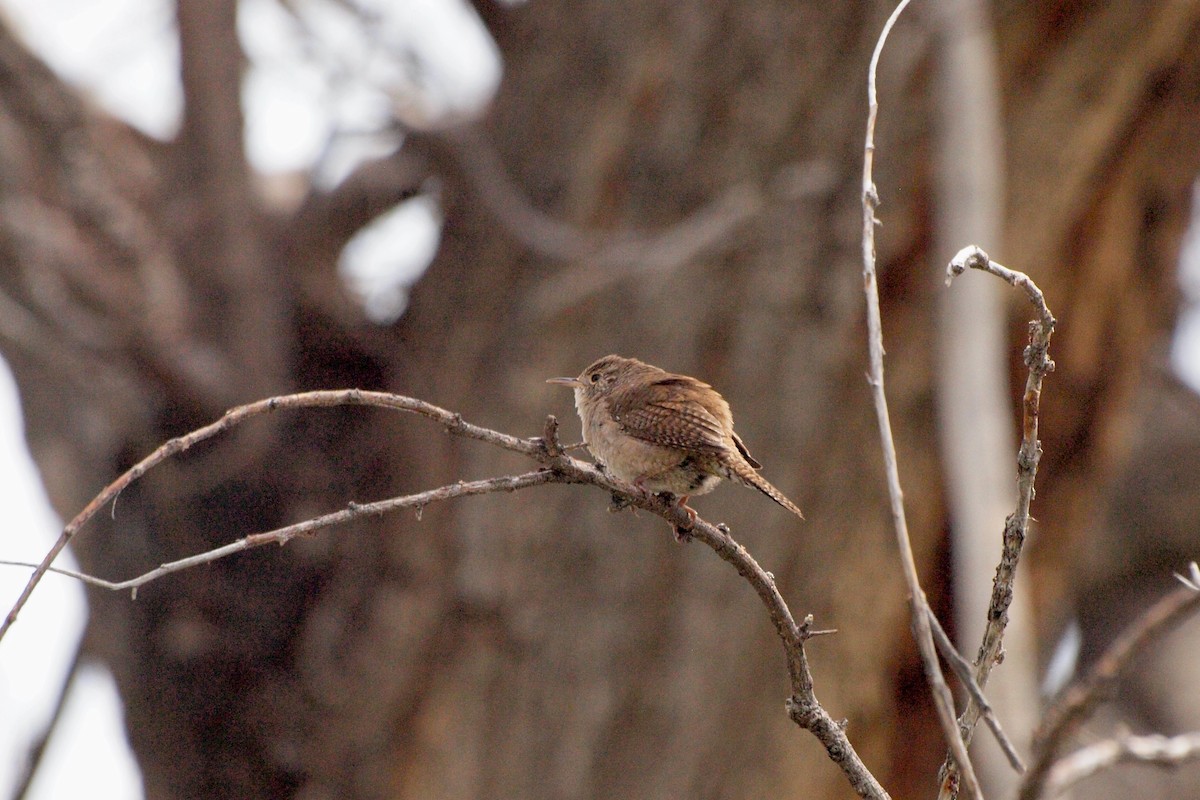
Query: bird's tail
pixel 748 476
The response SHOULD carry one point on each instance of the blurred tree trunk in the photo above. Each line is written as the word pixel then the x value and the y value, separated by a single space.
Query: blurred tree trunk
pixel 533 645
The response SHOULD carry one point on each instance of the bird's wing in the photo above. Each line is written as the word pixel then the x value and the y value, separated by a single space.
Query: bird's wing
pixel 741 446
pixel 665 413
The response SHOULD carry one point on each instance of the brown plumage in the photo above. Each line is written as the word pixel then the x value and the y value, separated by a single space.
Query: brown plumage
pixel 663 432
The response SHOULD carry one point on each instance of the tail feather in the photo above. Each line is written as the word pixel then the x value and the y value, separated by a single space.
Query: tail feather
pixel 745 474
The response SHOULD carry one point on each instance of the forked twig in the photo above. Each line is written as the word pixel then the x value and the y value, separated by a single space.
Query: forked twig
pixel 962 669
pixel 322 399
pixel 1016 527
pixel 281 536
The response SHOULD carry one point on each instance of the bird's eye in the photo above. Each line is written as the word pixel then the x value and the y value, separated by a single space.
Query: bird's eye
pixel 594 377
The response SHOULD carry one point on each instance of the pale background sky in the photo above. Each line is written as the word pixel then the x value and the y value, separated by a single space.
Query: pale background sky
pixel 319 108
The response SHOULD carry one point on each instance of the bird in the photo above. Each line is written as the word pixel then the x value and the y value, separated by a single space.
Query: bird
pixel 663 432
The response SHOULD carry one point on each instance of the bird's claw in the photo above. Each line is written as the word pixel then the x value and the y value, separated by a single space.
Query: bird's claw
pixel 683 533
pixel 619 502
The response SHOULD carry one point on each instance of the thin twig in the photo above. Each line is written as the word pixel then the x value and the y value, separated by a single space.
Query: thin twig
pixel 37 751
pixel 322 399
pixel 1016 527
pixel 1157 750
pixel 943 701
pixel 1081 696
pixel 976 430
pixel 1192 579
pixel 281 536
pixel 963 671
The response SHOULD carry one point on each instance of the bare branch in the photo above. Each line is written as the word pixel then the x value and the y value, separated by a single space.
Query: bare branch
pixel 802 705
pixel 1160 751
pixel 1076 702
pixel 320 399
pixel 974 258
pixel 962 669
pixel 1016 527
pixel 976 431
pixel 1192 579
pixel 601 258
pixel 281 536
pixel 36 757
pixel 919 611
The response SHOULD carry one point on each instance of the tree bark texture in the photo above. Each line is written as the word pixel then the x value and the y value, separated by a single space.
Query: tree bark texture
pixel 534 645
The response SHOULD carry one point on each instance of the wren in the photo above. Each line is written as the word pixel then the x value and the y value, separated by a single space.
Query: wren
pixel 662 432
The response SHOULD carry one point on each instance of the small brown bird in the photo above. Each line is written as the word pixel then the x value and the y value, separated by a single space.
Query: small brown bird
pixel 663 432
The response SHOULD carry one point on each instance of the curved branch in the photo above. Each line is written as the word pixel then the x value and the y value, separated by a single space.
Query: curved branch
pixel 1077 700
pixel 319 399
pixel 919 605
pixel 281 536
pixel 1016 527
pixel 976 434
pixel 602 258
pixel 1157 750
pixel 558 467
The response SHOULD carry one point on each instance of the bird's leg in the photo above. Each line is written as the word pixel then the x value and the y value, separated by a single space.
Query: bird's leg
pixel 639 483
pixel 620 502
pixel 617 501
pixel 683 533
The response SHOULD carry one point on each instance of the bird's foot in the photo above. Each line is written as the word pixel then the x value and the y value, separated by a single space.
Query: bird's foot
pixel 619 502
pixel 683 533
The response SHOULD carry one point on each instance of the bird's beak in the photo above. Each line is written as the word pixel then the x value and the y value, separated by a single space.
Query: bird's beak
pixel 574 383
